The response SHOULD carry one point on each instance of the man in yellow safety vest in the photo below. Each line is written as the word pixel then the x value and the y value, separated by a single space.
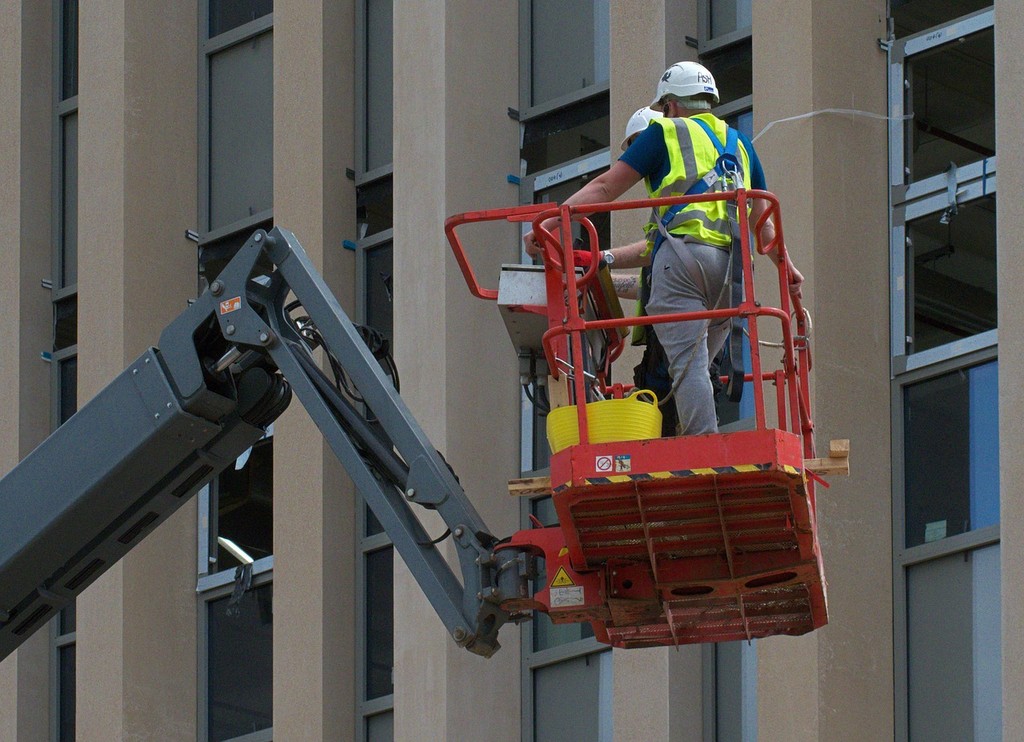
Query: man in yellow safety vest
pixel 690 247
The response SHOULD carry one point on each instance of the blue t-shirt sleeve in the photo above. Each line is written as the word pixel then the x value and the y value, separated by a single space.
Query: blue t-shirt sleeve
pixel 647 153
pixel 757 179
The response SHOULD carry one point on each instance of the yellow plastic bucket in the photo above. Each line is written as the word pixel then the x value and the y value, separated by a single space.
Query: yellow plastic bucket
pixel 632 418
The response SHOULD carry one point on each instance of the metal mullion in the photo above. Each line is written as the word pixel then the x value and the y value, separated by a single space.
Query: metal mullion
pixel 736 107
pixel 961 543
pixel 947 32
pixel 210 46
pixel 376 706
pixel 979 170
pixel 376 542
pixel 537 659
pixel 240 225
pixel 216 584
pixel 63 640
pixel 67 105
pixel 562 101
pixel 720 43
pixel 964 353
pixel 368 177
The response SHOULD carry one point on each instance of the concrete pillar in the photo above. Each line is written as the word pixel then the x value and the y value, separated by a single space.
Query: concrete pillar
pixel 136 639
pixel 835 218
pixel 314 590
pixel 26 113
pixel 1009 108
pixel 454 146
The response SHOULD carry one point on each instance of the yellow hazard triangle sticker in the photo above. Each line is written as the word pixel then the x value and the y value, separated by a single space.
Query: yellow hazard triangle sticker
pixel 562 579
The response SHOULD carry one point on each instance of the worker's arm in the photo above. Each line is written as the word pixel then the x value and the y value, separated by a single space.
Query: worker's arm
pixel 606 187
pixel 767 234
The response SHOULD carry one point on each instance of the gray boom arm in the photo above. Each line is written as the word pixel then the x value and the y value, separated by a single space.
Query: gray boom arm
pixel 182 413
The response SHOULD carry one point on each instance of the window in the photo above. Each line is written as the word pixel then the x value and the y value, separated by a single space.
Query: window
pixel 563 667
pixel 946 519
pixel 235 551
pixel 951 454
pixel 374 248
pixel 235 123
pixel 64 294
pixel 730 691
pixel 568 52
pixel 239 676
pixel 376 631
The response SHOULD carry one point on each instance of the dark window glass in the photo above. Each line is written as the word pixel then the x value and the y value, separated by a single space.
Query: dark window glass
pixel 379 79
pixel 566 134
pixel 743 122
pixel 68 619
pixel 373 526
pixel 729 15
pixel 381 727
pixel 241 131
pixel 733 71
pixel 68 388
pixel 952 99
pixel 951 429
pixel 952 274
pixel 379 299
pixel 374 207
pixel 240 672
pixel 912 16
pixel 69 201
pixel 380 623
pixel 228 14
pixel 953 647
pixel 572 684
pixel 69 49
pixel 245 505
pixel 65 322
pixel 66 691
pixel 569 47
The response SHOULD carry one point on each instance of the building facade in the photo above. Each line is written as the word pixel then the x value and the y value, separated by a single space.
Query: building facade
pixel 146 141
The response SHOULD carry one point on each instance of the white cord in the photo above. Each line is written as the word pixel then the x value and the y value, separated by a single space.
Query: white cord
pixel 847 111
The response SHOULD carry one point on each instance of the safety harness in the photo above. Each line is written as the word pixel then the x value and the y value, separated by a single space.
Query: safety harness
pixel 727 172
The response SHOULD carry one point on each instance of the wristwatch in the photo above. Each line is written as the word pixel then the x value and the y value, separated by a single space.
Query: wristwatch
pixel 608 257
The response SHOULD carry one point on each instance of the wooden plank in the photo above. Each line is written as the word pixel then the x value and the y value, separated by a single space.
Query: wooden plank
pixel 839 449
pixel 830 466
pixel 529 486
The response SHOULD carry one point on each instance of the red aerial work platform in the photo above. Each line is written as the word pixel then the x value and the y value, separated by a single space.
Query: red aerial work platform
pixel 671 540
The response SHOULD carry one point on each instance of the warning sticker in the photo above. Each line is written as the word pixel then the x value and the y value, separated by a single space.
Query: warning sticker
pixel 603 463
pixel 566 597
pixel 231 305
pixel 562 578
pixel 623 463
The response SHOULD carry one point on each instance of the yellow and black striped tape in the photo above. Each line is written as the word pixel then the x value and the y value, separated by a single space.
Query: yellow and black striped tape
pixel 680 473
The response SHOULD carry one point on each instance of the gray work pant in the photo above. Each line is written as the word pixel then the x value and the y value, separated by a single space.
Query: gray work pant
pixel 691 277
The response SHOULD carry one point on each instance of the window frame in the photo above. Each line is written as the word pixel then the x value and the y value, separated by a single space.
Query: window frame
pixel 208 48
pixel 364 176
pixel 910 200
pixel 528 111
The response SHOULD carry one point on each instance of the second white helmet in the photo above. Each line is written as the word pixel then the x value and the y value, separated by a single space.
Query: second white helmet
pixel 686 79
pixel 637 123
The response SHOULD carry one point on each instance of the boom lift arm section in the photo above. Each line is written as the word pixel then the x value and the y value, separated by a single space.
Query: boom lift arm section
pixel 181 414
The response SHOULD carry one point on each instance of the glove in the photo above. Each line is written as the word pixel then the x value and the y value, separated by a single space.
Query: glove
pixel 582 258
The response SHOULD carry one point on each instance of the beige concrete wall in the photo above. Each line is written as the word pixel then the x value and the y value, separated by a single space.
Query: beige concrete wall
pixel 1009 129
pixel 26 110
pixel 314 601
pixel 453 147
pixel 136 639
pixel 810 56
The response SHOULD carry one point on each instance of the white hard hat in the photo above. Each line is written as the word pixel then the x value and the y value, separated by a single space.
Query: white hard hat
pixel 684 80
pixel 637 123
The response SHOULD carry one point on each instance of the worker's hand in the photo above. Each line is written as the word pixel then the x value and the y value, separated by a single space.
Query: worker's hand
pixel 796 281
pixel 531 244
